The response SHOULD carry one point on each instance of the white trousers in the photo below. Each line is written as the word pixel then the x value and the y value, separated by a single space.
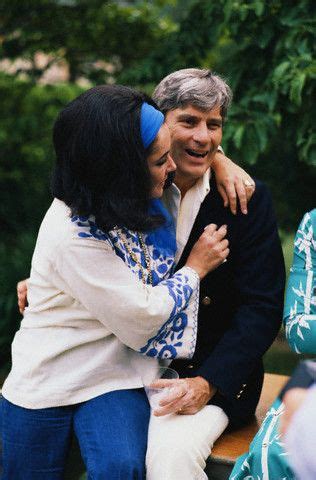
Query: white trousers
pixel 178 445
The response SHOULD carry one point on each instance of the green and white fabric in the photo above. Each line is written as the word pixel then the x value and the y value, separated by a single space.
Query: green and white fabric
pixel 267 459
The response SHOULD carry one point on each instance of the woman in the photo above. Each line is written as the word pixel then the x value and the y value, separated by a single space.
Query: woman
pixel 103 302
pixel 266 458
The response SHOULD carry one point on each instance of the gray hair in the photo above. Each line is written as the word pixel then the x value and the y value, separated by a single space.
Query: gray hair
pixel 194 86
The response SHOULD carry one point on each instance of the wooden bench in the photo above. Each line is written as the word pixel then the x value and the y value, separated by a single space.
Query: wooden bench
pixel 233 444
pixel 228 447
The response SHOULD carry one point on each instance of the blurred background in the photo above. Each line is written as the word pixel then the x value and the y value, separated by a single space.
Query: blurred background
pixel 53 50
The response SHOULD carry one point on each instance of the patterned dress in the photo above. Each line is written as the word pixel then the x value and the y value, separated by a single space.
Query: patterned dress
pixel 266 459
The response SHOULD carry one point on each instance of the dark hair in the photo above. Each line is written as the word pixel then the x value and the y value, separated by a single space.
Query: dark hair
pixel 101 164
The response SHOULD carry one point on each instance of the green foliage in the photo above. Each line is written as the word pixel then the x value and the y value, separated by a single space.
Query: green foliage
pixel 82 33
pixel 266 50
pixel 28 113
pixel 269 56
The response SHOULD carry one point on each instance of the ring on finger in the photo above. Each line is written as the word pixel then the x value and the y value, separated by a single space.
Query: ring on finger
pixel 248 183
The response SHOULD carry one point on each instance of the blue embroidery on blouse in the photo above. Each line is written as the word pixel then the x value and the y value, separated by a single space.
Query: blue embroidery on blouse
pixel 90 228
pixel 164 344
pixel 168 340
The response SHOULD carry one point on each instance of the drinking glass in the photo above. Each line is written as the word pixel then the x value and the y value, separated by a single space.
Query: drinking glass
pixel 155 394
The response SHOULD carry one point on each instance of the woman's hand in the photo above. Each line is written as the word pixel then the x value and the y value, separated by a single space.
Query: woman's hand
pixel 210 251
pixel 22 295
pixel 232 182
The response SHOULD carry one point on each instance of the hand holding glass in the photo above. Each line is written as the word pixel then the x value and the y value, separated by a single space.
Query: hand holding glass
pixel 153 381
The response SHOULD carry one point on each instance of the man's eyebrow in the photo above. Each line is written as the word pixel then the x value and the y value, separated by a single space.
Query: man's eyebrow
pixel 216 121
pixel 186 116
pixel 189 116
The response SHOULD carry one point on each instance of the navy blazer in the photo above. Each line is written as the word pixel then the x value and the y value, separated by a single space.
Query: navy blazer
pixel 241 303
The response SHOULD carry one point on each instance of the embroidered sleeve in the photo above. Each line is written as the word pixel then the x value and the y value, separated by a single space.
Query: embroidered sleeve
pixel 157 321
pixel 300 305
pixel 177 336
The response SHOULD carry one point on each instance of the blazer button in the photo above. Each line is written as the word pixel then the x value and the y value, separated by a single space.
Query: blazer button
pixel 190 366
pixel 206 301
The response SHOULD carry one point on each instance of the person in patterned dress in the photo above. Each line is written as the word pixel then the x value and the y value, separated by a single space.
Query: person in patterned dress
pixel 267 459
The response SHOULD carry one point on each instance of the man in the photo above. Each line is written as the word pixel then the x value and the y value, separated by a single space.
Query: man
pixel 240 302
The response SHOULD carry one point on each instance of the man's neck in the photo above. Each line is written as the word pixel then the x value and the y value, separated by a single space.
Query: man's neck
pixel 184 184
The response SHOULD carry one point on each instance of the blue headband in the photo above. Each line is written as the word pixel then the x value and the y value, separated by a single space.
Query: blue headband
pixel 151 120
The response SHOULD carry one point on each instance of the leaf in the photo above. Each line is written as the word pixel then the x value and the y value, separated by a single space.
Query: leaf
pixel 280 70
pixel 250 150
pixel 262 134
pixel 265 37
pixel 237 138
pixel 297 86
pixel 309 156
pixel 258 8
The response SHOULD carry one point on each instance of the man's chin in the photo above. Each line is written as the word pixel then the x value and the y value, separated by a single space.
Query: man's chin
pixel 194 172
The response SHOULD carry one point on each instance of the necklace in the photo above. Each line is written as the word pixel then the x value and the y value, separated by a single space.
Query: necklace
pixel 134 256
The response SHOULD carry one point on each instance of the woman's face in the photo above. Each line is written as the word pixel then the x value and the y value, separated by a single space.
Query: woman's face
pixel 159 161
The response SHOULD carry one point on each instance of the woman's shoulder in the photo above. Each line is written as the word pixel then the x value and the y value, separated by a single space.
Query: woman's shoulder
pixel 60 228
pixel 56 223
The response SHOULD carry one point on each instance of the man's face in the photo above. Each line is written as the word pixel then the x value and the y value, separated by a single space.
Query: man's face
pixel 195 136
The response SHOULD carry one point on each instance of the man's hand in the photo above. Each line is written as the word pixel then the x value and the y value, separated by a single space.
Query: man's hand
pixel 22 295
pixel 232 182
pixel 187 396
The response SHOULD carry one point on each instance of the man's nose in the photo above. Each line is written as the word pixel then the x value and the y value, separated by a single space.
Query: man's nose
pixel 201 134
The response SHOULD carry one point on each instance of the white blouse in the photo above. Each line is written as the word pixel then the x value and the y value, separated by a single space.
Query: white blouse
pixel 91 325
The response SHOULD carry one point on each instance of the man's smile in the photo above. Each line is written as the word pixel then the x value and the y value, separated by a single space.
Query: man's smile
pixel 196 154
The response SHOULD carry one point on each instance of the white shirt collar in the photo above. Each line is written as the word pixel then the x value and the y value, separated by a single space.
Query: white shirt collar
pixel 202 186
pixel 184 210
